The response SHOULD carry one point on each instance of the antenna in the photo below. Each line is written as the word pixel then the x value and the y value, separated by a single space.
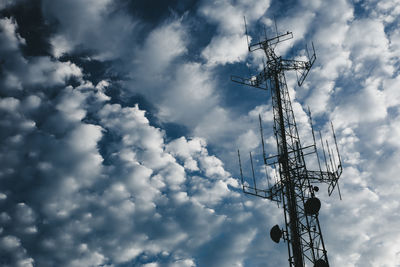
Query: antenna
pixel 337 149
pixel 295 185
pixel 241 172
pixel 262 140
pixel 276 26
pixel 263 149
pixel 252 170
pixel 245 29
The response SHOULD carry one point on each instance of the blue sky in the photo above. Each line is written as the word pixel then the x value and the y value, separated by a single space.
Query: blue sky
pixel 119 129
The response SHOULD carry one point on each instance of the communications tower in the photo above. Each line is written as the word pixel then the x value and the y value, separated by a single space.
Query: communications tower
pixel 295 187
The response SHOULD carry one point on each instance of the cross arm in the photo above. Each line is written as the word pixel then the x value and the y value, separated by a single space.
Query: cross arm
pixel 256 81
pixel 273 193
pixel 330 178
pixel 271 42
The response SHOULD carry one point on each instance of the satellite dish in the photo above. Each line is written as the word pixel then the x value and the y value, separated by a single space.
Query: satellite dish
pixel 312 206
pixel 276 233
pixel 321 263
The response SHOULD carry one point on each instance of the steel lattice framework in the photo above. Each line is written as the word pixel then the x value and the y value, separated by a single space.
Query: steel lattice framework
pixel 295 185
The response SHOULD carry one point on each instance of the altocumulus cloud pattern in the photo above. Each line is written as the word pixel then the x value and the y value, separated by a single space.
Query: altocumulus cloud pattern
pixel 119 129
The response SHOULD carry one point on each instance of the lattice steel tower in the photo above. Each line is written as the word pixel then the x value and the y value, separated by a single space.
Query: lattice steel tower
pixel 295 185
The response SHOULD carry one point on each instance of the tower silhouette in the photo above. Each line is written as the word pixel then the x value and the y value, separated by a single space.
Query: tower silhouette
pixel 295 187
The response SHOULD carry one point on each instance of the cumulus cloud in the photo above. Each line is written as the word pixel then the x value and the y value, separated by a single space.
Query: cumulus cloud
pixel 87 182
pixel 355 80
pixel 88 179
pixel 95 26
pixel 19 72
pixel 229 45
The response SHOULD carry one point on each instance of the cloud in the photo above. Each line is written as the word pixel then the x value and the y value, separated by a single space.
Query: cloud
pixel 95 26
pixel 7 3
pixel 232 21
pixel 88 179
pixel 226 49
pixel 358 94
pixel 87 182
pixel 229 45
pixel 17 255
pixel 162 46
pixel 20 72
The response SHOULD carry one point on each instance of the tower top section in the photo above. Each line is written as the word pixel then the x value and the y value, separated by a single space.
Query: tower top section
pixel 274 63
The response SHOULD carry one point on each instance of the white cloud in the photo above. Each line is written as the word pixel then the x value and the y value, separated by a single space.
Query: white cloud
pixel 89 25
pixel 226 49
pixel 134 196
pixel 190 96
pixel 249 140
pixel 153 203
pixel 366 106
pixel 232 21
pixel 161 47
pixel 88 182
pixel 229 45
pixel 21 72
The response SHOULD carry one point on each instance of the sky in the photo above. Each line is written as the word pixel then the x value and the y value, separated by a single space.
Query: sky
pixel 120 128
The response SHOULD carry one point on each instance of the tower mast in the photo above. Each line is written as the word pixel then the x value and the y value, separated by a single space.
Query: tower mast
pixel 295 187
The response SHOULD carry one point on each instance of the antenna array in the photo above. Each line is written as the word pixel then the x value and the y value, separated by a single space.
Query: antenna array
pixel 295 187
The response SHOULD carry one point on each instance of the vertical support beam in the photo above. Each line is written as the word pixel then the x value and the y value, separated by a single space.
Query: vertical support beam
pixel 286 178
